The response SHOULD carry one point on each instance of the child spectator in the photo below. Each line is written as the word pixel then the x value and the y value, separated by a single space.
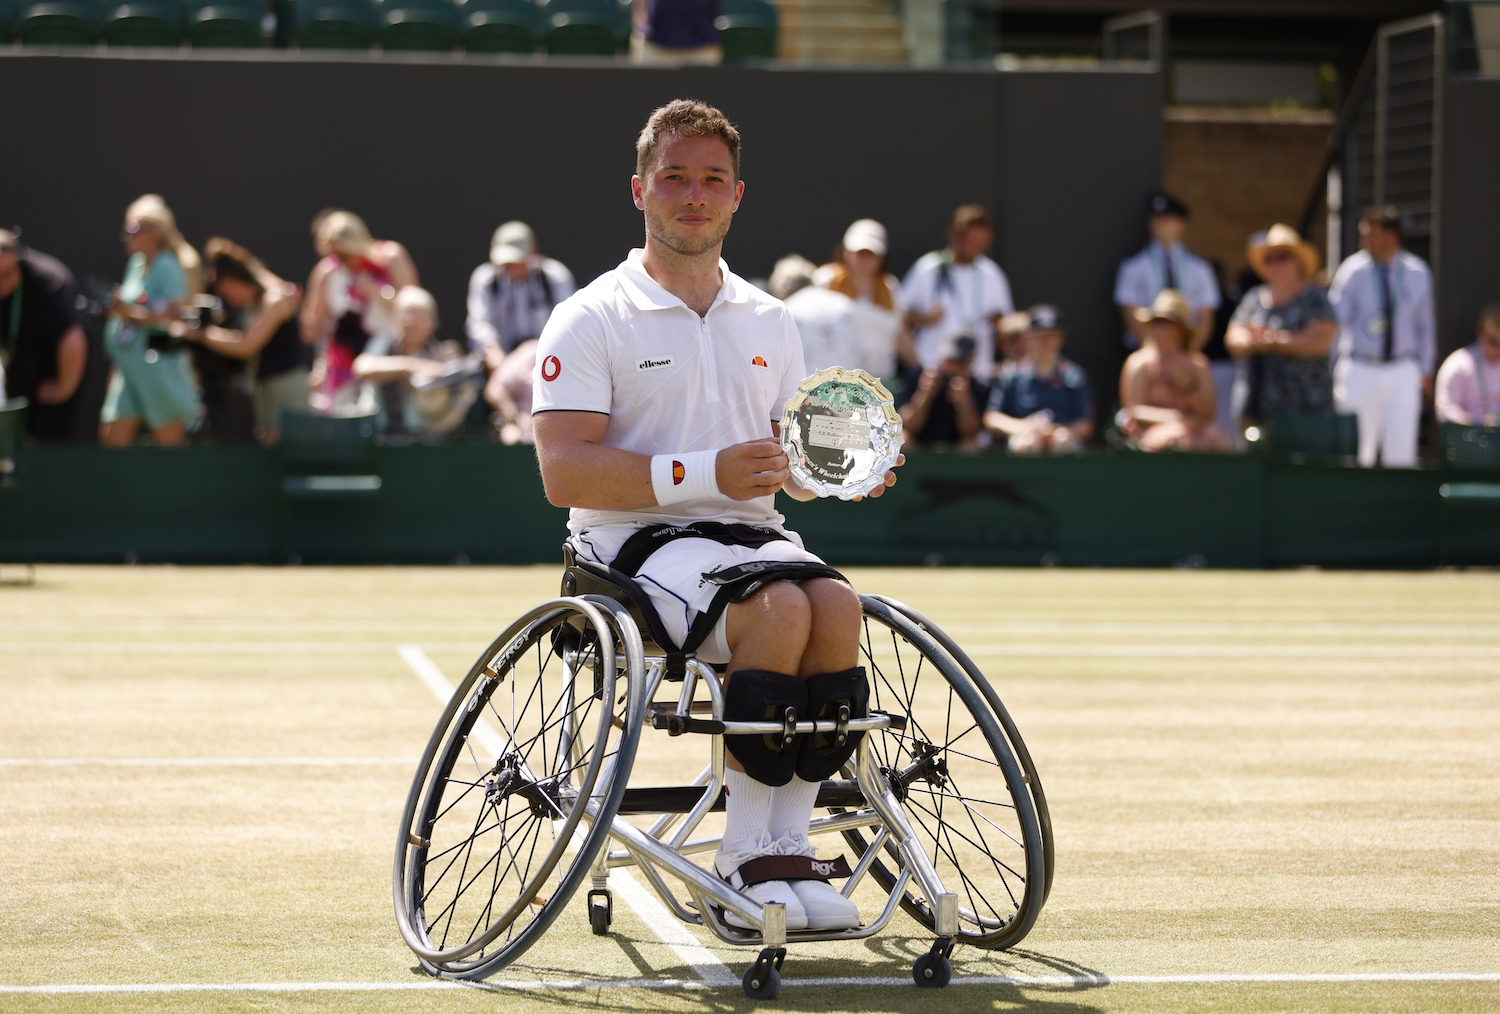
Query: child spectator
pixel 1042 403
pixel 1166 390
pixel 153 378
pixel 1468 384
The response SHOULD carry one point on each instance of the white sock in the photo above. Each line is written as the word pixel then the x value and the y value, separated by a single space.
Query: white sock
pixel 746 812
pixel 791 808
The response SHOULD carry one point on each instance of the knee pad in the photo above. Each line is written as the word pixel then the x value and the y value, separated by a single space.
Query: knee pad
pixel 821 754
pixel 754 695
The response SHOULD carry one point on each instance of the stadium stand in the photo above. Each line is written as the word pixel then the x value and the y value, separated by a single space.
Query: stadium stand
pixel 498 26
pixel 149 23
pixel 581 27
pixel 217 24
pixel 335 24
pixel 747 30
pixel 417 25
pixel 59 22
pixel 1329 439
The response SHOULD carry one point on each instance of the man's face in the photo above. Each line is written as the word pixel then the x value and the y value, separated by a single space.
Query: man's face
pixel 10 271
pixel 1489 341
pixel 1167 229
pixel 973 242
pixel 517 271
pixel 689 194
pixel 1377 240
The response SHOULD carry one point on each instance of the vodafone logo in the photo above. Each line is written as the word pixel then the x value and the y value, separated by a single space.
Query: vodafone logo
pixel 678 473
pixel 551 367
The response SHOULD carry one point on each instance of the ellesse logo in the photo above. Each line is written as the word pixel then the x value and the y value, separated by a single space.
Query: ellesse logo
pixel 551 367
pixel 677 473
pixel 758 361
pixel 659 363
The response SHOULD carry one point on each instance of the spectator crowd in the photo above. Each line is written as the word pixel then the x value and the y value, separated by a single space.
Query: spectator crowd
pixel 216 347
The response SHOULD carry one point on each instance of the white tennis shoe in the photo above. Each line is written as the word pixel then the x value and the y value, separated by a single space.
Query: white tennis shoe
pixel 826 908
pixel 727 866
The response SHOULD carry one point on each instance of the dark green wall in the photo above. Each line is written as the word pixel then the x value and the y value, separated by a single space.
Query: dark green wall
pixel 485 502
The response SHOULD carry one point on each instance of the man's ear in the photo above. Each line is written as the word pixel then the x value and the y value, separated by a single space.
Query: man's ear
pixel 637 192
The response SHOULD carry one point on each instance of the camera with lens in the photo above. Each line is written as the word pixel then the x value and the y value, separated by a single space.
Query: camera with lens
pixel 196 314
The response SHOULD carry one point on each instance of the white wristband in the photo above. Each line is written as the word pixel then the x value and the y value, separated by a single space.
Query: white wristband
pixel 678 477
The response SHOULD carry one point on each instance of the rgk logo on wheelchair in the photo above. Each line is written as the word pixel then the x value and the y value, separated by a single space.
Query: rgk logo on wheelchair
pixel 525 787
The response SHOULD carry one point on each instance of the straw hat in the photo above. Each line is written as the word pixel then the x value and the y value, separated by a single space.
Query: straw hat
pixel 1281 237
pixel 1170 306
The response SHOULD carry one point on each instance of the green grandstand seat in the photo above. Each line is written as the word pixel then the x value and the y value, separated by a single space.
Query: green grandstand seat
pixel 144 23
pixel 224 24
pixel 580 27
pixel 58 22
pixel 7 19
pixel 12 431
pixel 1329 439
pixel 417 25
pixel 747 30
pixel 498 26
pixel 335 24
pixel 1471 447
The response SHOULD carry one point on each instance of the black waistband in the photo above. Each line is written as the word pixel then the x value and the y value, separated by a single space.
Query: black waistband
pixel 639 547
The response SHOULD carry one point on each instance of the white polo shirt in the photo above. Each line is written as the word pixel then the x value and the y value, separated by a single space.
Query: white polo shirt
pixel 971 296
pixel 670 381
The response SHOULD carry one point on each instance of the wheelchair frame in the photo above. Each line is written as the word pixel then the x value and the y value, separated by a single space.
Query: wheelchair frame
pixel 597 640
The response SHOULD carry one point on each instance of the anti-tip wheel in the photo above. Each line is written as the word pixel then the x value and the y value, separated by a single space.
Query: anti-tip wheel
pixel 599 920
pixel 932 971
pixel 761 983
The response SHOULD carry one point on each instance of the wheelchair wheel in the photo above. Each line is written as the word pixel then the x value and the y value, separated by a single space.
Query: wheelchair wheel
pixel 960 782
pixel 515 792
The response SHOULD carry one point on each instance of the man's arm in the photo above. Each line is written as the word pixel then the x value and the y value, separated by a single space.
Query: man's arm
pixel 72 357
pixel 579 470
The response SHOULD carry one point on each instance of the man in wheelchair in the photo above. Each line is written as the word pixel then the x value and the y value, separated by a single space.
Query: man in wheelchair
pixel 659 390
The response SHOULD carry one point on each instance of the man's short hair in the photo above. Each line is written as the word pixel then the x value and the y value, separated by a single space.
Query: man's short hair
pixel 689 118
pixel 1387 216
pixel 966 216
pixel 1490 315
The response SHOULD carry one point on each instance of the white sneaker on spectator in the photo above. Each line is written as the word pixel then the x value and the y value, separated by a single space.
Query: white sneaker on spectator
pixel 826 908
pixel 727 866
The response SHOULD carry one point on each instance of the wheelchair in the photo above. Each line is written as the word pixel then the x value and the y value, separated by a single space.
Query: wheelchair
pixel 524 790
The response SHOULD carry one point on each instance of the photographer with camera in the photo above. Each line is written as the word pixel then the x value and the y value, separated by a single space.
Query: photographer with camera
pixel 249 351
pixel 944 404
pixel 153 377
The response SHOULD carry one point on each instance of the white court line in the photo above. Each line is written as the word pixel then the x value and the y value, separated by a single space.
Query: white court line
pixel 201 762
pixel 1230 651
pixel 527 985
pixel 704 963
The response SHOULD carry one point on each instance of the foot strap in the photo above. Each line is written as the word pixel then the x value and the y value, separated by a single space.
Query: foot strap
pixel 764 868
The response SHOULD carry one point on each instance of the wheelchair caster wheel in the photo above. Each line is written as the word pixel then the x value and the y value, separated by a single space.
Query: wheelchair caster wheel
pixel 761 984
pixel 601 912
pixel 932 971
pixel 762 980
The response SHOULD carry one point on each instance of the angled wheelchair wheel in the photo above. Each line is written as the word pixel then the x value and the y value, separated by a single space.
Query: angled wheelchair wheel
pixel 957 770
pixel 515 792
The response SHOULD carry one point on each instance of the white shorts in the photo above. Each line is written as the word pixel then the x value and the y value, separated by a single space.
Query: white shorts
pixel 672 577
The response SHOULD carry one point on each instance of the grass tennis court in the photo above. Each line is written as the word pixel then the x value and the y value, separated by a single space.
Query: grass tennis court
pixel 1271 792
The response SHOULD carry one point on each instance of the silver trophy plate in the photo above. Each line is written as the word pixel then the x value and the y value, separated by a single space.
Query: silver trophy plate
pixel 841 433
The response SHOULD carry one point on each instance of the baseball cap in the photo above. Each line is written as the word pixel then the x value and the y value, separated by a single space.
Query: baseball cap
pixel 1045 319
pixel 512 243
pixel 866 234
pixel 1163 203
